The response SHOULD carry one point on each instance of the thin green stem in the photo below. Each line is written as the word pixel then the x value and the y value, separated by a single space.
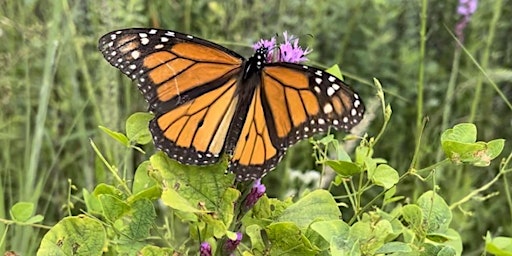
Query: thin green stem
pixel 485 58
pixel 421 70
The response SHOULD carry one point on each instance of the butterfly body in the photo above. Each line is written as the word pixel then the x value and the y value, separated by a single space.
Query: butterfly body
pixel 209 101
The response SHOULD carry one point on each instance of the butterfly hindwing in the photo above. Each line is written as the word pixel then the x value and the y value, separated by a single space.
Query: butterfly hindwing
pixel 293 102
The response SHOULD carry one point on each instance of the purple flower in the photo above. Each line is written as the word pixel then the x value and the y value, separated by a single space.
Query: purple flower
pixel 256 193
pixel 205 249
pixel 466 8
pixel 231 245
pixel 288 51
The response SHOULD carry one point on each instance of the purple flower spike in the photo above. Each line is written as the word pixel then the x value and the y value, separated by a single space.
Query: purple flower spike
pixel 256 193
pixel 291 51
pixel 205 249
pixel 466 8
pixel 288 51
pixel 231 245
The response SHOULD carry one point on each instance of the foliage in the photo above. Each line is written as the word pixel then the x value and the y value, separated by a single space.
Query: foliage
pixel 57 89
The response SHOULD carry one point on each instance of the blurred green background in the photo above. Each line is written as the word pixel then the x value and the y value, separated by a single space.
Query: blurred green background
pixel 56 89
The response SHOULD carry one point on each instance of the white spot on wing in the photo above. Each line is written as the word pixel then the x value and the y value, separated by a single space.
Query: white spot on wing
pixel 328 108
pixel 135 55
pixel 330 91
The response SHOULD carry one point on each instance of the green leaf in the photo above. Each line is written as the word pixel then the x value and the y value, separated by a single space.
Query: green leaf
pixel 120 137
pixel 79 235
pixel 35 219
pixel 394 247
pixel 344 168
pixel 493 148
pixel 455 241
pixel 137 128
pixel 370 235
pixel 92 202
pixel 287 239
pixel 464 133
pixel 151 250
pixel 141 179
pixel 141 218
pixel 315 206
pixel 499 245
pixel 413 215
pixel 384 176
pixel 227 205
pixel 331 228
pixel 199 185
pixel 335 71
pixel 112 206
pixel 341 245
pixel 460 146
pixel 107 189
pixel 435 211
pixel 254 233
pixel 22 211
pixel 173 199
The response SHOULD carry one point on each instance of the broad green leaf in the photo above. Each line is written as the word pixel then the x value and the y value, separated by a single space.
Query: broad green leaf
pixel 112 206
pixel 173 199
pixel 492 150
pixel 344 168
pixel 287 239
pixel 120 137
pixel 413 215
pixel 394 247
pixel 315 206
pixel 341 245
pixel 92 202
pixel 142 180
pixel 436 212
pixel 137 128
pixel 254 233
pixel 141 217
pixel 151 250
pixel 78 235
pixel 197 185
pixel 22 211
pixel 499 245
pixel 331 228
pixel 384 176
pixel 460 146
pixel 227 205
pixel 35 219
pixel 464 133
pixel 371 236
pixel 103 188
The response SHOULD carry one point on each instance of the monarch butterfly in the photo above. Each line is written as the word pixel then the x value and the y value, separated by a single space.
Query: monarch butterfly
pixel 209 101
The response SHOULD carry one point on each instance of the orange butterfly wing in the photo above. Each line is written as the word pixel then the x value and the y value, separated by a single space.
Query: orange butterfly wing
pixel 293 102
pixel 189 83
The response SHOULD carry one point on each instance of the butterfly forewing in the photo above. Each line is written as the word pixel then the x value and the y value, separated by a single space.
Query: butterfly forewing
pixel 189 84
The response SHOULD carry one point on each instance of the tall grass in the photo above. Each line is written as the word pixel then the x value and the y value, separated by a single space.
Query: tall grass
pixel 55 88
